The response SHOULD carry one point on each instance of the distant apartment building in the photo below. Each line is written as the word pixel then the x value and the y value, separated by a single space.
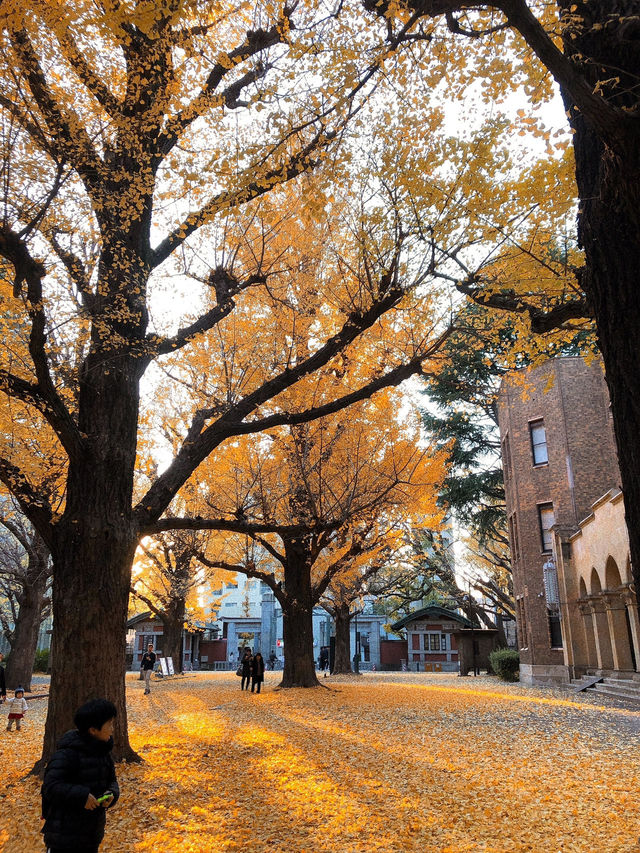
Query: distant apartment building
pixel 559 458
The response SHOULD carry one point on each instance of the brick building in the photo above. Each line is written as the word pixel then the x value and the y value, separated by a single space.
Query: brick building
pixel 559 457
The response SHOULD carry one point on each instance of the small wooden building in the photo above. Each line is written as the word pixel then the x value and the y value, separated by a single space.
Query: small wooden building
pixel 149 629
pixel 431 638
pixel 474 647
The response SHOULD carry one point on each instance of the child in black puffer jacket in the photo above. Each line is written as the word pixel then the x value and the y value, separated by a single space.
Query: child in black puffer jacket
pixel 80 782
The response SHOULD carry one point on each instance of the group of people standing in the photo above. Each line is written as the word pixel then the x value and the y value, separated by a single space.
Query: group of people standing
pixel 251 670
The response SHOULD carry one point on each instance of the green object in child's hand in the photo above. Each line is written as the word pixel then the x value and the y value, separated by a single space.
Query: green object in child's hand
pixel 105 797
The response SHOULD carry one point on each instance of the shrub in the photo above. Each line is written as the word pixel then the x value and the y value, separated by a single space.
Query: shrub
pixel 41 662
pixel 505 663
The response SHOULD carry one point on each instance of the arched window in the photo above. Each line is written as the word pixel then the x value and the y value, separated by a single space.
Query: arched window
pixel 612 574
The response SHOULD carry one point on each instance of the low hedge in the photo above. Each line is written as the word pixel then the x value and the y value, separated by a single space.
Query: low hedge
pixel 505 663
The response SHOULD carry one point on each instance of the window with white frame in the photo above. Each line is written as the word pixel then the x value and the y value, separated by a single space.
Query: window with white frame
pixel 435 642
pixel 538 436
pixel 546 520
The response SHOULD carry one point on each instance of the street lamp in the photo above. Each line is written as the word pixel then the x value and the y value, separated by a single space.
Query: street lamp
pixel 356 657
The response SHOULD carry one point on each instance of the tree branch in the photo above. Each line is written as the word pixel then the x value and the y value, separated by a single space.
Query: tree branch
pixel 226 286
pixel 76 270
pixel 73 141
pixel 255 42
pixel 261 183
pixel 28 270
pixel 94 84
pixel 247 569
pixel 610 121
pixel 542 320
pixel 231 526
pixel 33 504
pixel 198 445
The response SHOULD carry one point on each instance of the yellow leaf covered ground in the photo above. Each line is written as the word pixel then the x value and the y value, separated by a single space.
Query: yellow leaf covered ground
pixel 388 763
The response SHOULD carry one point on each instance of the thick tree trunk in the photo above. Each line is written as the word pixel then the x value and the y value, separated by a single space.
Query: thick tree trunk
pixel 297 620
pixel 173 624
pixel 342 663
pixel 93 548
pixel 25 635
pixel 90 598
pixel 607 172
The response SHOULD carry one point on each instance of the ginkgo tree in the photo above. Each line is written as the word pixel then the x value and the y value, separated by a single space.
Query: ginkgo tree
pixel 25 575
pixel 156 181
pixel 347 588
pixel 592 52
pixel 168 578
pixel 126 132
pixel 319 501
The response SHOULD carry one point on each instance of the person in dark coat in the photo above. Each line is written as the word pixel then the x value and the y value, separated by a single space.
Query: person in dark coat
pixel 80 782
pixel 146 667
pixel 257 672
pixel 245 663
pixel 3 684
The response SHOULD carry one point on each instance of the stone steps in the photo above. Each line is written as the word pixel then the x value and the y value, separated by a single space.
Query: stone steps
pixel 627 689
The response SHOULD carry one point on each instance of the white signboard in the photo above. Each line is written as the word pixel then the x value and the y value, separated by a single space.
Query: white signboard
pixel 163 666
pixel 170 665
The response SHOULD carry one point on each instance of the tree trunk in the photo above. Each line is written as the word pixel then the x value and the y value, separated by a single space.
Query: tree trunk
pixel 297 620
pixel 607 173
pixel 173 623
pixel 25 635
pixel 93 548
pixel 342 662
pixel 90 598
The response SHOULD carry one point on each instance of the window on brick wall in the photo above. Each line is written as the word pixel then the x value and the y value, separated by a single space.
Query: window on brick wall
pixel 513 537
pixel 538 436
pixel 546 520
pixel 506 457
pixel 555 630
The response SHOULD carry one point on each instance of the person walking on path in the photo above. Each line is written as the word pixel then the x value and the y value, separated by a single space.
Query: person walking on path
pixel 324 658
pixel 146 665
pixel 80 782
pixel 245 663
pixel 3 683
pixel 272 660
pixel 257 672
pixel 17 709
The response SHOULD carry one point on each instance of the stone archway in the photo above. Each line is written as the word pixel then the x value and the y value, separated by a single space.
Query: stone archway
pixel 612 575
pixel 586 609
pixel 600 621
pixel 617 618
